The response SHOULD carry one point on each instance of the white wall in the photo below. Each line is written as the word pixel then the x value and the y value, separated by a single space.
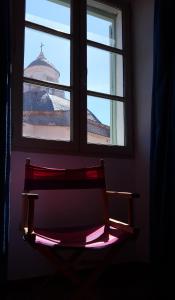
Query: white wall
pixel 122 174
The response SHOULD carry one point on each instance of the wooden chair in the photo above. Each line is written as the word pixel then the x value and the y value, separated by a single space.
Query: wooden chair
pixel 109 236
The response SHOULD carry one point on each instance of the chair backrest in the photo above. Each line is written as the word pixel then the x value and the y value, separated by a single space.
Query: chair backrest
pixel 43 178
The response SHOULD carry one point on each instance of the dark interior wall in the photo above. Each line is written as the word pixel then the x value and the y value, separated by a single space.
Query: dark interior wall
pixel 143 69
pixel 122 174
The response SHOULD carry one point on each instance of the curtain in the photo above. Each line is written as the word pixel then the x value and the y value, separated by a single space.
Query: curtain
pixel 162 155
pixel 4 135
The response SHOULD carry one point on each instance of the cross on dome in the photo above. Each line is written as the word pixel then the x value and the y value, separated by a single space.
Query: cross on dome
pixel 41 46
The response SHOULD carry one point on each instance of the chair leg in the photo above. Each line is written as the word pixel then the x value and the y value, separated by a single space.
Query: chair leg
pixel 54 259
pixel 64 267
pixel 88 284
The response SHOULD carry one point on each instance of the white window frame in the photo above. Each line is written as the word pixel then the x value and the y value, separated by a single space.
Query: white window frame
pixel 78 84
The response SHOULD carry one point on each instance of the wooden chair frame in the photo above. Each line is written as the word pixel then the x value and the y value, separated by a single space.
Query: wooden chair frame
pixel 68 268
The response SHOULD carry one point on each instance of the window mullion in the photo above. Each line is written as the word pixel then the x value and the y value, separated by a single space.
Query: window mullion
pixel 17 70
pixel 83 74
pixel 105 47
pixel 47 84
pixel 106 96
pixel 75 71
pixel 48 30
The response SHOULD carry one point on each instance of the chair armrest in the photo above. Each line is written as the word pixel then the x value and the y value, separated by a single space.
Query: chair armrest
pixel 128 196
pixel 122 195
pixel 121 225
pixel 30 195
pixel 27 222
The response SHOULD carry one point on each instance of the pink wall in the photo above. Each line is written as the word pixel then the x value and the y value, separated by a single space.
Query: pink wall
pixel 122 174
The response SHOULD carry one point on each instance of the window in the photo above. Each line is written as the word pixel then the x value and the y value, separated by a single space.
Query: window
pixel 71 77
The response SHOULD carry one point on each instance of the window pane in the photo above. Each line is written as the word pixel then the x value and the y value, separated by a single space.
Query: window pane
pixel 104 24
pixel 46 57
pixel 105 71
pixel 54 14
pixel 105 121
pixel 46 113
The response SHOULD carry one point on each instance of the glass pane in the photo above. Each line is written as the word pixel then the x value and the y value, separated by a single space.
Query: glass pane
pixel 46 113
pixel 46 57
pixel 54 14
pixel 105 121
pixel 104 24
pixel 105 71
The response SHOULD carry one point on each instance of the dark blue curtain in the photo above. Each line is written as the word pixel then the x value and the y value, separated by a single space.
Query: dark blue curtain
pixel 162 165
pixel 4 134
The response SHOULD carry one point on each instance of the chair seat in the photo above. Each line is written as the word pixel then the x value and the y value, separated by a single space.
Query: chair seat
pixel 83 237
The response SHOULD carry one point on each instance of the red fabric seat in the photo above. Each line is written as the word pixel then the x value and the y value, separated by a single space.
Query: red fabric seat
pixel 93 237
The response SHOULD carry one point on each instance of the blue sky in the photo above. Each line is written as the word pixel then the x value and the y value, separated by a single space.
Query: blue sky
pixel 57 50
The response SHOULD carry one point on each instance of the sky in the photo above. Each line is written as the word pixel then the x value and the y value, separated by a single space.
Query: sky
pixel 57 50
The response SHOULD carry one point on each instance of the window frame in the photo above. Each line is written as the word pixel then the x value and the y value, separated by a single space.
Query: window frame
pixel 78 84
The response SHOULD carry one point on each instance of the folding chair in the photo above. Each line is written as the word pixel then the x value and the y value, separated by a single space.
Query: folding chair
pixel 107 236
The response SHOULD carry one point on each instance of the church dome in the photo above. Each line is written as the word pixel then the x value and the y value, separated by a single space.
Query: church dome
pixel 41 60
pixel 42 69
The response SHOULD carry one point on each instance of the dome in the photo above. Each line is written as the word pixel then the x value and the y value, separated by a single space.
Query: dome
pixel 41 60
